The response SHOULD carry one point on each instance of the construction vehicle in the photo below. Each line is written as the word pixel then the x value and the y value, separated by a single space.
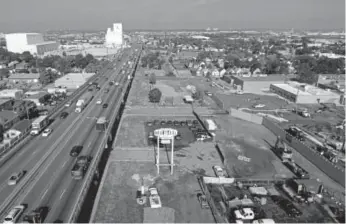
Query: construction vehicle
pixel 39 124
pixel 154 198
pixel 296 132
pixel 282 151
pixel 37 215
pixel 101 124
pixel 83 102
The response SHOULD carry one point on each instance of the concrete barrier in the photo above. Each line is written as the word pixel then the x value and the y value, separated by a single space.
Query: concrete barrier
pixel 312 155
pixel 246 116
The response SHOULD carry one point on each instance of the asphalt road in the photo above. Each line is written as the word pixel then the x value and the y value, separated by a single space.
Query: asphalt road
pixel 54 187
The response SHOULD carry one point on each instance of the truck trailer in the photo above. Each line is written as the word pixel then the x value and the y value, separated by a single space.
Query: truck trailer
pixel 39 124
pixel 83 102
pixel 101 124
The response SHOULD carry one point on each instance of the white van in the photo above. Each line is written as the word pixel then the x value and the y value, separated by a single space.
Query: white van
pixel 99 101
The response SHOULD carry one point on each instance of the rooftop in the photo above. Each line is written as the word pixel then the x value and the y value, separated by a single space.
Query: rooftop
pixel 291 89
pixel 265 78
pixel 25 76
pixel 7 115
pixel 44 43
pixel 22 125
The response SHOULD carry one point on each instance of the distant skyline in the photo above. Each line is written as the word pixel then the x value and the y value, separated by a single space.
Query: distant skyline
pixel 41 15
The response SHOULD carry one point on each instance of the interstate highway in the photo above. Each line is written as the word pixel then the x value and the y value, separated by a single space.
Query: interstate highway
pixel 83 132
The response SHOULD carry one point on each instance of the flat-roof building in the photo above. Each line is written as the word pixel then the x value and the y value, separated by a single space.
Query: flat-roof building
pixel 73 80
pixel 304 93
pixel 32 42
pixel 11 93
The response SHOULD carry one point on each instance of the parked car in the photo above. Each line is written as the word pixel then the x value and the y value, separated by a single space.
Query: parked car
pixel 149 124
pixel 258 105
pixel 208 93
pixel 99 101
pixel 46 132
pixel 151 135
pixel 203 201
pixel 14 214
pixel 105 105
pixel 183 123
pixel 16 177
pixel 63 115
pixel 176 123
pixel 244 214
pixel 76 150
pixel 218 171
pixel 169 122
pixel 163 122
pixel 156 122
pixel 189 123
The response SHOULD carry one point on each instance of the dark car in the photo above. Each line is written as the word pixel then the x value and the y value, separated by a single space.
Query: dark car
pixel 169 122
pixel 156 122
pixel 189 123
pixel 63 115
pixel 105 105
pixel 176 123
pixel 163 122
pixel 76 150
pixel 183 123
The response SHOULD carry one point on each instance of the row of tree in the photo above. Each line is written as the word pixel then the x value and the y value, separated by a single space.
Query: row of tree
pixel 152 60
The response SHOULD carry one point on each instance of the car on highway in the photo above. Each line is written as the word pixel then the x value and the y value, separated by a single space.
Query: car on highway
pixel 76 150
pixel 218 171
pixel 63 115
pixel 46 132
pixel 203 201
pixel 99 101
pixel 69 103
pixel 105 105
pixel 258 105
pixel 14 214
pixel 37 215
pixel 16 177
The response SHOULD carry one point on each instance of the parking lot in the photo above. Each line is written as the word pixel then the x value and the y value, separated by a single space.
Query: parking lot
pixel 188 131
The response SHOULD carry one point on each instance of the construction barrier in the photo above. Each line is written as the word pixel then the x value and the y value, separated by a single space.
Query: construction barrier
pixel 329 168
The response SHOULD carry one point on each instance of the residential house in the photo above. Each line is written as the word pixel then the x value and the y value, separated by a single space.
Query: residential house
pixel 30 78
pixel 22 126
pixel 215 73
pixel 11 93
pixel 8 119
pixel 21 66
pixel 39 98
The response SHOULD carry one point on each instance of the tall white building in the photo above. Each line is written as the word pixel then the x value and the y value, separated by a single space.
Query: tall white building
pixel 32 42
pixel 114 36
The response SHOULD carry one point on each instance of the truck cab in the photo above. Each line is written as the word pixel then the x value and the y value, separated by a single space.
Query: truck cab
pixel 37 215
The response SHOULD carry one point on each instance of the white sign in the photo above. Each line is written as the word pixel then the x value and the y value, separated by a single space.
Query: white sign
pixel 165 133
pixel 166 141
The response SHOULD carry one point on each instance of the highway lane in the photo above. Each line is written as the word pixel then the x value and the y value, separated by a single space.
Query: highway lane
pixel 65 194
pixel 27 157
pixel 52 172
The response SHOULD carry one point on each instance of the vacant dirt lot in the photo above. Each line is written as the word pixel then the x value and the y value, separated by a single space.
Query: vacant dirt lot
pixel 117 202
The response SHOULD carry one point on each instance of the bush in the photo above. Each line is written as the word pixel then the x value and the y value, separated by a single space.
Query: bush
pixel 155 95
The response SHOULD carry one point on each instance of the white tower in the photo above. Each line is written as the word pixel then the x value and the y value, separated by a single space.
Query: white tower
pixel 114 37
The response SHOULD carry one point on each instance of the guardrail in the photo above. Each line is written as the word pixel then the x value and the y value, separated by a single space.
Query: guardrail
pixel 93 166
pixel 52 114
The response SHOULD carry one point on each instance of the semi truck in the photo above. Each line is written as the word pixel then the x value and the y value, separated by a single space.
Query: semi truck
pixel 80 167
pixel 37 215
pixel 39 124
pixel 101 124
pixel 83 102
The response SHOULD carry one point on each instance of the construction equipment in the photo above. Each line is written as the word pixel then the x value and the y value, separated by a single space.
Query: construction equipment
pixel 282 150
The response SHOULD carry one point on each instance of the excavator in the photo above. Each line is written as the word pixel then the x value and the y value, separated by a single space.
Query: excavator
pixel 282 150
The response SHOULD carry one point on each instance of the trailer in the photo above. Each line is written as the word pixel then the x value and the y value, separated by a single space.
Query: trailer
pixel 101 124
pixel 39 124
pixel 83 101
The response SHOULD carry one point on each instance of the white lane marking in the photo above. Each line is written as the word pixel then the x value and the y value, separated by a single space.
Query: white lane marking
pixel 89 145
pixel 44 194
pixel 34 152
pixel 62 194
pixel 64 164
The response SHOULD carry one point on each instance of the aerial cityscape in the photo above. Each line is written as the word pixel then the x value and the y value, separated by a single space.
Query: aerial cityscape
pixel 158 111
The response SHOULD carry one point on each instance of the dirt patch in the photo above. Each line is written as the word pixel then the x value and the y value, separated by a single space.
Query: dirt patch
pixel 123 179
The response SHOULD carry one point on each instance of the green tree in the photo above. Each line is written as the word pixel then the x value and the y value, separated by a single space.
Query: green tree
pixel 155 95
pixel 306 75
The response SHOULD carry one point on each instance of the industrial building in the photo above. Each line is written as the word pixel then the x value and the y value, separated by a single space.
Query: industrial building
pixel 32 42
pixel 304 94
pixel 11 93
pixel 114 36
pixel 24 78
pixel 73 80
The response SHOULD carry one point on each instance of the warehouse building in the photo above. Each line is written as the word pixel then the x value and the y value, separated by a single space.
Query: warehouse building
pixel 11 93
pixel 32 42
pixel 73 80
pixel 304 94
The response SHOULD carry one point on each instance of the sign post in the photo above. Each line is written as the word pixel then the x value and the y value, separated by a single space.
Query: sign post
pixel 167 137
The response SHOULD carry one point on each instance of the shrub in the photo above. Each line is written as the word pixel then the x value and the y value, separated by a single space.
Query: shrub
pixel 155 95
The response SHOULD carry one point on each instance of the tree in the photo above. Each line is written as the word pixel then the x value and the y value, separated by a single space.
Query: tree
pixel 306 75
pixel 155 95
pixel 152 79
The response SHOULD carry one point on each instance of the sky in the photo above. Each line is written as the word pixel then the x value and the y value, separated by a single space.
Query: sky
pixel 34 15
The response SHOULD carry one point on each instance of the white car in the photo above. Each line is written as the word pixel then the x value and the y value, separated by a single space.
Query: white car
pixel 219 171
pixel 15 178
pixel 244 214
pixel 46 132
pixel 259 105
pixel 14 214
pixel 99 102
